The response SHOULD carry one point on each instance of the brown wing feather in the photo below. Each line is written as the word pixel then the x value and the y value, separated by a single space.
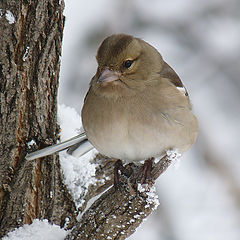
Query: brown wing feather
pixel 168 72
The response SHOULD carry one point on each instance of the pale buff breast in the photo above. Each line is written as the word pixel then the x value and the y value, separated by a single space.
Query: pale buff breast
pixel 133 131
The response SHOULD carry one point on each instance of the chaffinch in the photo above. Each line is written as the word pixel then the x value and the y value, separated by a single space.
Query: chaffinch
pixel 136 107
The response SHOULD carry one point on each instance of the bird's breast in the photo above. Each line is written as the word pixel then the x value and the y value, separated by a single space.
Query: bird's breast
pixel 129 129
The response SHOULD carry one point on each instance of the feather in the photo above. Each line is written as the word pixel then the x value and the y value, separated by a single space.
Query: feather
pixel 80 141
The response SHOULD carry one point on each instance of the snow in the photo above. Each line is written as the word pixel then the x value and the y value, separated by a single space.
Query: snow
pixel 78 172
pixel 38 230
pixel 25 55
pixel 132 220
pixel 9 16
pixel 152 197
pixel 31 143
pixel 174 156
pixel 69 120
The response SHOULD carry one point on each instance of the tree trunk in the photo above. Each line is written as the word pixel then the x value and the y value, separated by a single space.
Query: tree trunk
pixel 30 48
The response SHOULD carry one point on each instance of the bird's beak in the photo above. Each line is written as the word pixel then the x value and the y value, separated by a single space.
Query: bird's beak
pixel 108 75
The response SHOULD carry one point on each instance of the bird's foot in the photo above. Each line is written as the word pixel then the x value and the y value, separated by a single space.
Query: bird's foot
pixel 144 174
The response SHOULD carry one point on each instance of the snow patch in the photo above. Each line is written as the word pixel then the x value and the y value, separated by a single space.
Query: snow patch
pixel 70 122
pixel 25 55
pixel 132 220
pixel 174 156
pixel 38 230
pixel 152 197
pixel 67 221
pixel 9 16
pixel 31 143
pixel 78 172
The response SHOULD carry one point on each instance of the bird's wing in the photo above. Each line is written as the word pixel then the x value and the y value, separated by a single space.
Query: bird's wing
pixel 168 72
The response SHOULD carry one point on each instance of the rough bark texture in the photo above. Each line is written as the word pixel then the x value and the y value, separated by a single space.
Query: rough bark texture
pixel 116 214
pixel 30 48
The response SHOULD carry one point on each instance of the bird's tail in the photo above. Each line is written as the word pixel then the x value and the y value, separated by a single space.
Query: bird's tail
pixel 77 146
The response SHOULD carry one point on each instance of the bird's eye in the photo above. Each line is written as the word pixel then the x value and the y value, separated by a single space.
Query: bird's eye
pixel 128 63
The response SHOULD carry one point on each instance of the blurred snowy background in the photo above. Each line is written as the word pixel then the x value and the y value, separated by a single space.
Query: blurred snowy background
pixel 201 41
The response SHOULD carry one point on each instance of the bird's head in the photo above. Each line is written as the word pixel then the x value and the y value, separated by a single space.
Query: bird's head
pixel 125 65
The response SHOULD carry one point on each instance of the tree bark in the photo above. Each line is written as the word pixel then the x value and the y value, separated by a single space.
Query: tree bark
pixel 30 49
pixel 117 213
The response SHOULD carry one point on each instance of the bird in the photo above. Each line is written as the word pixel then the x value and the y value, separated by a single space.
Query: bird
pixel 136 107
